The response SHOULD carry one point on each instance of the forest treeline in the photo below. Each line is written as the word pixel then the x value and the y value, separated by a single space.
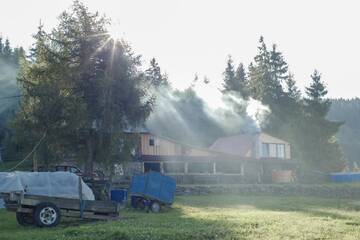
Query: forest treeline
pixel 80 89
pixel 348 111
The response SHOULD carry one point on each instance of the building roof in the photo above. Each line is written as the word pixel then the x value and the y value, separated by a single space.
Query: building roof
pixel 238 145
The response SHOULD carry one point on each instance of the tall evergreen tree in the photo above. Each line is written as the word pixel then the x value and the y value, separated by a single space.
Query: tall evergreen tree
pixel 1 46
pixel 235 81
pixel 241 81
pixel 87 88
pixel 230 83
pixel 322 149
pixel 266 74
pixel 292 91
pixel 154 74
pixel 7 49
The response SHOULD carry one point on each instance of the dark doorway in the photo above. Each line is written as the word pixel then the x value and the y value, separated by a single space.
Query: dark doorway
pixel 151 167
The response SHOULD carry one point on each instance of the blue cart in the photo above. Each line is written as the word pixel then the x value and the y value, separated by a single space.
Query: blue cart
pixel 152 190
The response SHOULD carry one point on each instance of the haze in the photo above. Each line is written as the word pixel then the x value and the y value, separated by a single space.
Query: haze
pixel 189 37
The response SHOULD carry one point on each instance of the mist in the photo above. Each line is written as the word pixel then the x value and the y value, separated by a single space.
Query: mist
pixel 8 87
pixel 201 113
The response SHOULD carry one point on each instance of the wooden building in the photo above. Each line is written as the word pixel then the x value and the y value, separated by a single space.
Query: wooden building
pixel 235 159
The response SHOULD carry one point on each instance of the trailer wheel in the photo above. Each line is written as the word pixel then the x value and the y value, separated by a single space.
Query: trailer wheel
pixel 47 215
pixel 24 219
pixel 155 207
pixel 140 204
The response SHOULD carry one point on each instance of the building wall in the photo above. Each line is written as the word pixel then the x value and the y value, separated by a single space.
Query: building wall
pixel 193 165
pixel 165 147
pixel 265 138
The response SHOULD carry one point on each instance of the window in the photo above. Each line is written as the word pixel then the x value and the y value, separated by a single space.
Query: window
pixel 151 142
pixel 273 150
pixel 280 150
pixel 265 150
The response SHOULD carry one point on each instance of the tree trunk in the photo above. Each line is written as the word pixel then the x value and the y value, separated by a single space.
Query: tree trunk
pixel 90 155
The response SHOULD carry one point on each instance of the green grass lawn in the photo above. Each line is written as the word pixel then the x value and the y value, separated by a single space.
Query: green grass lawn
pixel 212 217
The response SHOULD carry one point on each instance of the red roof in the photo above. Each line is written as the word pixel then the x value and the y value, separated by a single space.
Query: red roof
pixel 235 145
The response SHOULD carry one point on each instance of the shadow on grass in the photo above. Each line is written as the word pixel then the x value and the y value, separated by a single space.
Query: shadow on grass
pixel 170 224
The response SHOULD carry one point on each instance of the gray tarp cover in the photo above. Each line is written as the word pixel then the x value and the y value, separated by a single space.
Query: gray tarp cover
pixel 52 184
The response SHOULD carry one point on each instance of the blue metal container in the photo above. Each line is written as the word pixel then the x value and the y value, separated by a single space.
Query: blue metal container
pixel 119 195
pixel 345 177
pixel 154 186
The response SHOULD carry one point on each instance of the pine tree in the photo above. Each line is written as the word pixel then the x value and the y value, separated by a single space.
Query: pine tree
pixel 235 81
pixel 266 74
pixel 230 83
pixel 7 49
pixel 292 91
pixel 1 46
pixel 322 150
pixel 87 88
pixel 242 82
pixel 154 74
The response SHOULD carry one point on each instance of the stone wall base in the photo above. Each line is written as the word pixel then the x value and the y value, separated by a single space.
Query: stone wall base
pixel 325 190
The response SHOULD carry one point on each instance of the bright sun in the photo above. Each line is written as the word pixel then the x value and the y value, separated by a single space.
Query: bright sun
pixel 115 32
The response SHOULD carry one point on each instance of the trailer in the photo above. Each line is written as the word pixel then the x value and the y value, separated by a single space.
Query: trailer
pixel 152 190
pixel 46 211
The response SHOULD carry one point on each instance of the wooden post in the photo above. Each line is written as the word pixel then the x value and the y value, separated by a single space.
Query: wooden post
pixel 80 197
pixel 162 167
pixel 35 165
pixel 214 167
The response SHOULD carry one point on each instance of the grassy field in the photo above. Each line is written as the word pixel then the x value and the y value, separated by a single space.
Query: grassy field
pixel 212 217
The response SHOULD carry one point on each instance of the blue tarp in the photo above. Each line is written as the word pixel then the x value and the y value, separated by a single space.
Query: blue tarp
pixel 154 185
pixel 345 177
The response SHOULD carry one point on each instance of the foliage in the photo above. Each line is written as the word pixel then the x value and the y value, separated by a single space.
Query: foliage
pixel 235 80
pixel 347 111
pixel 155 76
pixel 300 120
pixel 81 88
pixel 212 217
pixel 9 93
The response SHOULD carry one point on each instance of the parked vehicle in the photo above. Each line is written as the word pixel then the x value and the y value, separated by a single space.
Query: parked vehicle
pixel 43 198
pixel 45 211
pixel 151 191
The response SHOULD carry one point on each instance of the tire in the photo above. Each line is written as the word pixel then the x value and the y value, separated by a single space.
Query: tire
pixel 140 204
pixel 155 207
pixel 47 215
pixel 25 219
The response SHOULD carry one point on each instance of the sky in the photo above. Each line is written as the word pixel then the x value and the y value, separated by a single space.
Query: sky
pixel 190 37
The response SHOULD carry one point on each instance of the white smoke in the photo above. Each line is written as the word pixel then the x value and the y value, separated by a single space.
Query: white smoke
pixel 8 86
pixel 205 114
pixel 231 110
